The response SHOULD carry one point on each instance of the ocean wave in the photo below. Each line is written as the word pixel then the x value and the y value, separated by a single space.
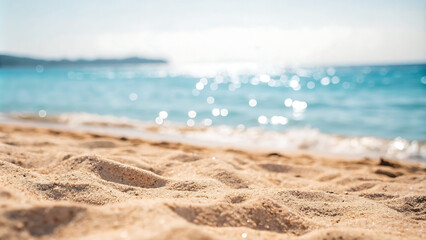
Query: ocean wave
pixel 296 139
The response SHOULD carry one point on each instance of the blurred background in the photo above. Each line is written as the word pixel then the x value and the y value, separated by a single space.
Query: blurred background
pixel 346 76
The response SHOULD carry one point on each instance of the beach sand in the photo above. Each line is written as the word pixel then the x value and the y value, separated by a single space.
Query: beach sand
pixel 69 185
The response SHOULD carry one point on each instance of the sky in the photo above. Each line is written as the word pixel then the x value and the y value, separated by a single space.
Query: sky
pixel 310 32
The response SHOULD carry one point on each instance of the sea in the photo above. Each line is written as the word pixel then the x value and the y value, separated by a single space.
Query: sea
pixel 360 111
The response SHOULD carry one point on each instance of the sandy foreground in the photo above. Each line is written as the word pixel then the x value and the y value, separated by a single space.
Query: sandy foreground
pixel 68 185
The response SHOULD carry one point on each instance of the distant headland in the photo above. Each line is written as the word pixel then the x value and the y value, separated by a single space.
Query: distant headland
pixel 16 61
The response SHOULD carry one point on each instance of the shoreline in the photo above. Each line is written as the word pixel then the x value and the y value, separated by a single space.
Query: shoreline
pixel 303 140
pixel 74 185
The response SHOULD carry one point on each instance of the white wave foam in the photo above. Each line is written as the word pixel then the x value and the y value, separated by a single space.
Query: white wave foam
pixel 297 139
pixel 310 139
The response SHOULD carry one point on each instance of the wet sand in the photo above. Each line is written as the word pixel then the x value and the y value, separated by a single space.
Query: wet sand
pixel 58 184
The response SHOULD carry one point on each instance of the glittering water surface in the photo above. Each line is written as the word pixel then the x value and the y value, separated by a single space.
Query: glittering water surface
pixel 381 101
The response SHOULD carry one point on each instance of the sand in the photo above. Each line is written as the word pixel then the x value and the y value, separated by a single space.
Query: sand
pixel 69 185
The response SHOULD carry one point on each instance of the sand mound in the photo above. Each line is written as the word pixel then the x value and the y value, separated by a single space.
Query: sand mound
pixel 42 220
pixel 256 214
pixel 67 185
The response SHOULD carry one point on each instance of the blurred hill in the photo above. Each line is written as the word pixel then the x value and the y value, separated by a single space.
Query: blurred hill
pixel 15 61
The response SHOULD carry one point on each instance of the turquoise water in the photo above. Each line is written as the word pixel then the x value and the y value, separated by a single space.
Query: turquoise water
pixel 380 101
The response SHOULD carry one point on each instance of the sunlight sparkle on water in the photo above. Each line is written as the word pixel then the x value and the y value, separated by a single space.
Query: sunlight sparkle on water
pixel 163 114
pixel 133 96
pixel 335 80
pixel 279 120
pixel 42 113
pixel 262 119
pixel 207 122
pixel 190 122
pixel 241 127
pixel 199 86
pixel 213 86
pixel 264 78
pixel 331 71
pixel 299 106
pixel 294 83
pixel 254 81
pixel 159 120
pixel 325 81
pixel 215 112
pixel 288 102
pixel 192 114
pixel 210 100
pixel 204 81
pixel 252 102
pixel 218 79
